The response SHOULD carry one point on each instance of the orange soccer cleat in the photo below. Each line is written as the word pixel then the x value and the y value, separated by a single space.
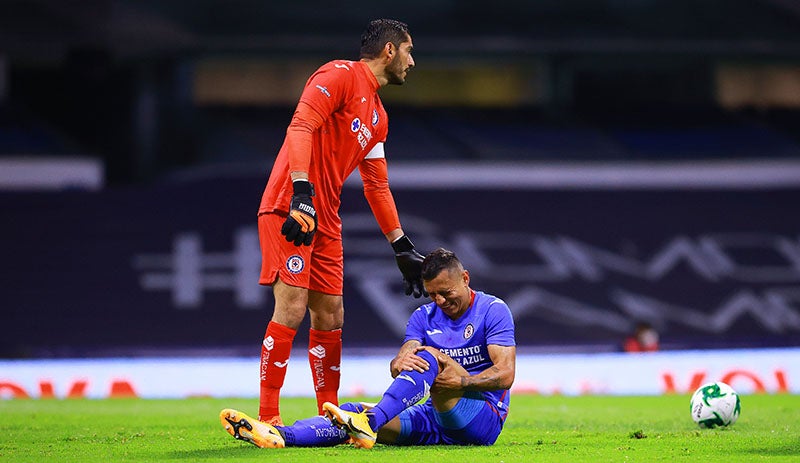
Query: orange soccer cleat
pixel 243 427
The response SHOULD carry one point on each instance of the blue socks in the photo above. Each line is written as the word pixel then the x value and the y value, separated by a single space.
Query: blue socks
pixel 312 432
pixel 408 388
pixel 316 431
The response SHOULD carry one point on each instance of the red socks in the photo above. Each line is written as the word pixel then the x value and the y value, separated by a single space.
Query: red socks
pixel 325 358
pixel 274 359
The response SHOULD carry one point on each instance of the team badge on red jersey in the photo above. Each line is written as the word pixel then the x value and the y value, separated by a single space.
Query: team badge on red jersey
pixel 374 117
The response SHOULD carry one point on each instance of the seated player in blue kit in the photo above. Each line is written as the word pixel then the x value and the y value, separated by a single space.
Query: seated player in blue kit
pixel 459 348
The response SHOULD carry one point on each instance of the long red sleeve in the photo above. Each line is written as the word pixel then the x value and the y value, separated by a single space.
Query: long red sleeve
pixel 298 136
pixel 375 176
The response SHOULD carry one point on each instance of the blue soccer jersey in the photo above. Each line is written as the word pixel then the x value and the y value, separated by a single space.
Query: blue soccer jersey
pixel 487 321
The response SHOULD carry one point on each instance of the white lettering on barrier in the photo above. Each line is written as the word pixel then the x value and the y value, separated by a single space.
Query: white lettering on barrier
pixel 189 271
pixel 680 372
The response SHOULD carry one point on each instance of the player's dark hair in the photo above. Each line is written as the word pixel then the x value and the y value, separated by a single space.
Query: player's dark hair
pixel 437 261
pixel 380 31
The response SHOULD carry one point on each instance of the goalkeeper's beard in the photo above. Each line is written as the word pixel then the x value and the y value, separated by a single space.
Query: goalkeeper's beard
pixel 395 73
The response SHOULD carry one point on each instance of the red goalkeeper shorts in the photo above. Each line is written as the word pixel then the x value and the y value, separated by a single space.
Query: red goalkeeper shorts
pixel 319 267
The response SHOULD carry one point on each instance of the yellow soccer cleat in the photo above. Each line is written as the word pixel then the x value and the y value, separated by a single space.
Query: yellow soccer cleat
pixel 258 433
pixel 355 424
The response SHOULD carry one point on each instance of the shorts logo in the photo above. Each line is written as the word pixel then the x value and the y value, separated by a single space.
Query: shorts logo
pixel 317 351
pixel 355 125
pixel 374 117
pixel 469 331
pixel 295 264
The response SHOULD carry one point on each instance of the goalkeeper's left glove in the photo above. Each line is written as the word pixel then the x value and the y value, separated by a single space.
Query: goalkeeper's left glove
pixel 409 261
pixel 301 223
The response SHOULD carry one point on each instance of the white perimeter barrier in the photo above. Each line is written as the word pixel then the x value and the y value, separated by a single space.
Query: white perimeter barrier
pixel 748 371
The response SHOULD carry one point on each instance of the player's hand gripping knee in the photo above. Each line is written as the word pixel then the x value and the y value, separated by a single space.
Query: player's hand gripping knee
pixel 301 224
pixel 409 261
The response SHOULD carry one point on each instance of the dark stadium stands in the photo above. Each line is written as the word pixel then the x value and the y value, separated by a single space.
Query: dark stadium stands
pixel 616 80
pixel 425 134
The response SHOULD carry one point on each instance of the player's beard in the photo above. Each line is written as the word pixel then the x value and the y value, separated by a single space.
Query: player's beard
pixel 396 69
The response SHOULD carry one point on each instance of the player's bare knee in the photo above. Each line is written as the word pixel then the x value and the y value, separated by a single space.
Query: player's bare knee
pixel 327 310
pixel 288 316
pixel 326 321
pixel 290 304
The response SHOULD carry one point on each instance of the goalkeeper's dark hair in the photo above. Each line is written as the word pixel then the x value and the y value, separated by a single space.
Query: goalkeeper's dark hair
pixel 380 31
pixel 437 261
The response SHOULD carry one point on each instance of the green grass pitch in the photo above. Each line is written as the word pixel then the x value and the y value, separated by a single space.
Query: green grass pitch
pixel 539 429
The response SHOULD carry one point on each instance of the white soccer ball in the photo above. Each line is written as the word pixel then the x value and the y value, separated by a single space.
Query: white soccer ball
pixel 715 404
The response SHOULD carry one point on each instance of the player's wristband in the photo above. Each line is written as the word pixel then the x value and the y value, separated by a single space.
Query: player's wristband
pixel 303 187
pixel 402 244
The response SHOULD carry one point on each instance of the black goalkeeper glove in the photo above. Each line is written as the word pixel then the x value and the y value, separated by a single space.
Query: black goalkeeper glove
pixel 301 223
pixel 410 263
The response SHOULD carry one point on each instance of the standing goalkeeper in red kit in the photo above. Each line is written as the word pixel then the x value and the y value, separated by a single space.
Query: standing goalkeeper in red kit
pixel 339 125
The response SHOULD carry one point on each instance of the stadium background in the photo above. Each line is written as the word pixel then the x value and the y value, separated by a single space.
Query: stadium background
pixel 595 163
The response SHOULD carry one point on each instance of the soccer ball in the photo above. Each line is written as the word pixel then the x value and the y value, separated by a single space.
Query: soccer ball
pixel 715 404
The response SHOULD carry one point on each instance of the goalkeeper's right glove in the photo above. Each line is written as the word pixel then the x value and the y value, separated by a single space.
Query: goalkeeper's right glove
pixel 301 223
pixel 409 261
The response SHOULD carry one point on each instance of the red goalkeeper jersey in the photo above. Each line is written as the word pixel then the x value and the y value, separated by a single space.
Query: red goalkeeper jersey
pixel 340 124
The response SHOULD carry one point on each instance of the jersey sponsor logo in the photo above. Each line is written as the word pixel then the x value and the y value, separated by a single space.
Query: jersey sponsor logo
pixel 324 90
pixel 317 351
pixel 433 331
pixel 466 356
pixel 295 264
pixel 364 134
pixel 461 351
pixel 469 330
pixel 470 360
pixel 375 117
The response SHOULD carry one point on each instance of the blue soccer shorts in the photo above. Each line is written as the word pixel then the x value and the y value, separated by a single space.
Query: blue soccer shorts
pixel 473 421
